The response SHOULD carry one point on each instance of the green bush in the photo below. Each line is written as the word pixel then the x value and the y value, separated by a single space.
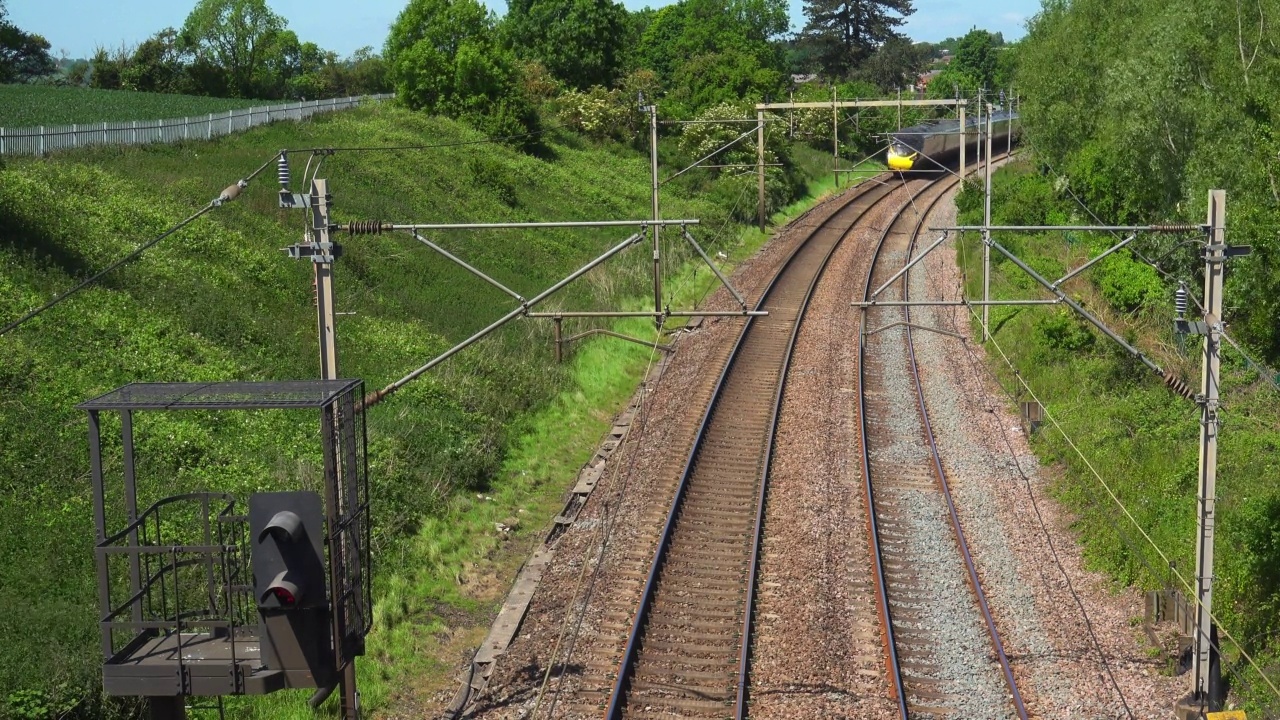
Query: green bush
pixel 1061 334
pixel 1126 283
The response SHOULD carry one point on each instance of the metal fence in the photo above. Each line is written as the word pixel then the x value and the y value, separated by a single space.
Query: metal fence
pixel 50 138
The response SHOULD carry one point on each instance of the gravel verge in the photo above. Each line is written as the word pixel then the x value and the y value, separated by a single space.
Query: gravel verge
pixel 1074 649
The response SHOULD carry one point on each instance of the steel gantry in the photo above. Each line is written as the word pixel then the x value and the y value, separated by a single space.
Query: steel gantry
pixel 836 104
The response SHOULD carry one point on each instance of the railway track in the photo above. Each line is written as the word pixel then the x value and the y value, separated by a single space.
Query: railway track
pixel 688 649
pixel 943 652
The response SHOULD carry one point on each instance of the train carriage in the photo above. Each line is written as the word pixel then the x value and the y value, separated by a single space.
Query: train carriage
pixel 935 145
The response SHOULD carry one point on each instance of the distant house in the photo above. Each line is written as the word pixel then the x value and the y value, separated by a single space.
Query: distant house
pixel 922 82
pixel 800 79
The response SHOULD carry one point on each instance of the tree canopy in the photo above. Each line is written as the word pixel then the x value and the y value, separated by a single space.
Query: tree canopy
pixel 236 35
pixel 23 56
pixel 444 56
pixel 842 34
pixel 579 41
pixel 1142 130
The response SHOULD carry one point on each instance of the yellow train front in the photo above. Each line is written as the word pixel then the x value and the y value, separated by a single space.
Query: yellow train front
pixel 935 146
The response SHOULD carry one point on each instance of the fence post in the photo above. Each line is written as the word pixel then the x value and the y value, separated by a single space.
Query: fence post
pixel 1 141
pixel 75 135
pixel 209 134
pixel 104 132
pixel 134 135
pixel 42 141
pixel 230 117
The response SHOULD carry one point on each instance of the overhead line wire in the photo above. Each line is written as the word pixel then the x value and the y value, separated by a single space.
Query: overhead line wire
pixel 1270 375
pixel 1116 499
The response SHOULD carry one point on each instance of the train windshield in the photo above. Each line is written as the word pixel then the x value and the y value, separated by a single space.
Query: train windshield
pixel 897 147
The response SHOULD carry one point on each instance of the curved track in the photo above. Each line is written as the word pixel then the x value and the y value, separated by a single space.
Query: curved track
pixel 932 661
pixel 688 650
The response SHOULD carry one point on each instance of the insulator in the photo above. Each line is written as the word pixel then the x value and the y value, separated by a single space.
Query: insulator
pixel 282 170
pixel 364 227
pixel 1175 383
pixel 1177 228
pixel 1180 301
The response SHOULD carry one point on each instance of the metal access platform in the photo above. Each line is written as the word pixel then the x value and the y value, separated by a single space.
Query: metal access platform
pixel 175 580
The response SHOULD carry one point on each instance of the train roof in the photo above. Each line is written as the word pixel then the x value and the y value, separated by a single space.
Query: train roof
pixel 941 126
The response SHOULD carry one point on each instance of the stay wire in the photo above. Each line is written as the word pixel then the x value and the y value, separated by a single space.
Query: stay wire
pixel 1191 594
pixel 57 299
pixel 978 367
pixel 1133 545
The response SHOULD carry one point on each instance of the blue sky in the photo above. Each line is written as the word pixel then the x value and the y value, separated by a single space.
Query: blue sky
pixel 78 26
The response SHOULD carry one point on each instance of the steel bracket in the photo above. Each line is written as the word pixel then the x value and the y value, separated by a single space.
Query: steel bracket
pixel 1191 327
pixel 290 200
pixel 315 252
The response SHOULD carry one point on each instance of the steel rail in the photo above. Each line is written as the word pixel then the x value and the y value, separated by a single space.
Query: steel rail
pixel 897 691
pixel 618 697
pixel 974 581
pixel 872 520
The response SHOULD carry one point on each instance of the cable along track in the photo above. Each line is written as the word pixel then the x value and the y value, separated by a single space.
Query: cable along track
pixel 688 649
pixel 943 651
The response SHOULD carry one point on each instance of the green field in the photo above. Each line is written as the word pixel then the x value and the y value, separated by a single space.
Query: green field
pixel 28 105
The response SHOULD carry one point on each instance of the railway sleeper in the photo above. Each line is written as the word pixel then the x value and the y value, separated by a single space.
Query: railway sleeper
pixel 726 651
pixel 703 677
pixel 665 689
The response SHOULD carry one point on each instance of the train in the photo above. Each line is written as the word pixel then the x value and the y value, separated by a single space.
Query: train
pixel 934 145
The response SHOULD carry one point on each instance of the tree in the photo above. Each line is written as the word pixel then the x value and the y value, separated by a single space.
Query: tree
pixel 236 35
pixel 444 57
pixel 579 41
pixel 732 40
pixel 23 56
pixel 844 33
pixel 979 62
pixel 159 64
pixel 107 66
pixel 366 73
pixel 896 64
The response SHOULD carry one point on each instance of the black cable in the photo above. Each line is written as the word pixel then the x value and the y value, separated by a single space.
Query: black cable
pixel 85 283
pixel 1057 560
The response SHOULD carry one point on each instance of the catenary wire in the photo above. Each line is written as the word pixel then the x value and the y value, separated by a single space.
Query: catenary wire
pixel 1129 515
pixel 1270 375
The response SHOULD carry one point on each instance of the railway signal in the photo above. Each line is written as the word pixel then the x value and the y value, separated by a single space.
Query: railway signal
pixel 286 530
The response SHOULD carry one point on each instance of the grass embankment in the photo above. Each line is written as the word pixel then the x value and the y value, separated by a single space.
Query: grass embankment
pixel 219 300
pixel 32 105
pixel 1142 439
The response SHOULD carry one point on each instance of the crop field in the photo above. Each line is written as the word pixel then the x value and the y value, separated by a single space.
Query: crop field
pixel 27 105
